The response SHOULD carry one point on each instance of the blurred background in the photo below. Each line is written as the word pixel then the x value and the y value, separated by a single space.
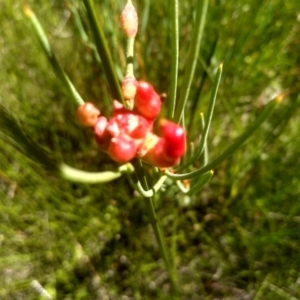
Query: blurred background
pixel 236 239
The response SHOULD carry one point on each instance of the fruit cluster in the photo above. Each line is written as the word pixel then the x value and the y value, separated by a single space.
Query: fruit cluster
pixel 129 133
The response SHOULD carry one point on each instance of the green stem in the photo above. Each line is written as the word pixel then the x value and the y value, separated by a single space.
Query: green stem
pixel 175 56
pixel 161 242
pixel 207 122
pixel 18 139
pixel 210 111
pixel 151 192
pixel 205 151
pixel 233 147
pixel 76 175
pixel 192 58
pixel 201 181
pixel 83 35
pixel 42 38
pixel 156 228
pixel 103 51
pixel 129 55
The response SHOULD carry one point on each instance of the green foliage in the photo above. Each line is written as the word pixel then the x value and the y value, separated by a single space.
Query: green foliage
pixel 236 238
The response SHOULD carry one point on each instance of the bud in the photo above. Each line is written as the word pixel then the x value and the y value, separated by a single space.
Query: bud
pixel 129 20
pixel 129 87
pixel 87 114
pixel 122 149
pixel 147 102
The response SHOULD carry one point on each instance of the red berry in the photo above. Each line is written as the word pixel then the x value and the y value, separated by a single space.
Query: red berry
pixel 122 149
pixel 147 102
pixel 128 123
pixel 156 154
pixel 174 137
pixel 87 114
pixel 101 134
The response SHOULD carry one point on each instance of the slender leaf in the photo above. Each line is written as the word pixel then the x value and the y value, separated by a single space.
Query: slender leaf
pixel 192 58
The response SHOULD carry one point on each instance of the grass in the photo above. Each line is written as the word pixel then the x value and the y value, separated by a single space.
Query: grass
pixel 237 238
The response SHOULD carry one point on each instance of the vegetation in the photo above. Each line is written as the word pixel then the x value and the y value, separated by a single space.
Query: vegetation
pixel 237 238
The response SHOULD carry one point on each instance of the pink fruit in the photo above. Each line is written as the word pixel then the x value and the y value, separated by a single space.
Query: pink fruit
pixel 87 114
pixel 122 149
pixel 147 102
pixel 101 134
pixel 174 137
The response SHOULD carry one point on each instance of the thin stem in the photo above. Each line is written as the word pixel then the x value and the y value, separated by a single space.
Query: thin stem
pixel 201 181
pixel 151 192
pixel 18 139
pixel 83 35
pixel 129 55
pixel 103 51
pixel 207 123
pixel 156 227
pixel 205 151
pixel 175 56
pixel 192 58
pixel 233 147
pixel 161 242
pixel 42 38
pixel 76 175
pixel 210 110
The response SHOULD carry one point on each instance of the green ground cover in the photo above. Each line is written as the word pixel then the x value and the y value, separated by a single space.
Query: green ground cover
pixel 236 239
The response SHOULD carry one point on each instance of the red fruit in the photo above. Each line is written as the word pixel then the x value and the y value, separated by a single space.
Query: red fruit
pixel 101 134
pixel 122 149
pixel 147 102
pixel 156 155
pixel 161 158
pixel 174 137
pixel 87 114
pixel 130 124
pixel 140 129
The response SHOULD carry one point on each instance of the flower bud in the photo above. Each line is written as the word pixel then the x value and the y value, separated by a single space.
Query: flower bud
pixel 129 20
pixel 147 102
pixel 87 114
pixel 129 87
pixel 122 149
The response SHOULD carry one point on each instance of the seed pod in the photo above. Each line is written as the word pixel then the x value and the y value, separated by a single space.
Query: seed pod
pixel 87 114
pixel 129 20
